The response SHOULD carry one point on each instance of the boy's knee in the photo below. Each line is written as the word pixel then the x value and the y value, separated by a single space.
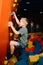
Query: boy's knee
pixel 11 43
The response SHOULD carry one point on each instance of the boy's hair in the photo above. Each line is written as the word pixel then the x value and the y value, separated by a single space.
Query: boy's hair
pixel 25 21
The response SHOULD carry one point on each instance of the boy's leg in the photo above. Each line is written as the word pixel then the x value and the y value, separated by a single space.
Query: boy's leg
pixel 12 46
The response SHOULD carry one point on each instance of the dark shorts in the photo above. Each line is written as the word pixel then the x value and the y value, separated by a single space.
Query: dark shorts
pixel 20 44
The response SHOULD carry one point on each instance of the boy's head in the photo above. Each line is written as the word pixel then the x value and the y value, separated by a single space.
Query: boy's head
pixel 23 22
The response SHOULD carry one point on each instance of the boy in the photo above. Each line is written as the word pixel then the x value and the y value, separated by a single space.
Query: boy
pixel 22 41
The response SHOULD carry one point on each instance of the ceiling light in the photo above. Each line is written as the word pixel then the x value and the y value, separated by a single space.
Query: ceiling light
pixel 27 2
pixel 25 9
pixel 41 12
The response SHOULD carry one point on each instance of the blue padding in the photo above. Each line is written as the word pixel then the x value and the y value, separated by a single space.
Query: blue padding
pixel 37 47
pixel 40 61
pixel 24 57
pixel 21 62
pixel 30 53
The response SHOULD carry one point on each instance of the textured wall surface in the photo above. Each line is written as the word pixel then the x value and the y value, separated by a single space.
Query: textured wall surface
pixel 5 8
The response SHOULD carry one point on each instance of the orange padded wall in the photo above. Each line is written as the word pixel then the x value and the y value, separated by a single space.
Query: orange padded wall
pixel 5 8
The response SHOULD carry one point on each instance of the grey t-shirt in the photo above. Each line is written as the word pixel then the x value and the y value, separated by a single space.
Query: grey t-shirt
pixel 24 36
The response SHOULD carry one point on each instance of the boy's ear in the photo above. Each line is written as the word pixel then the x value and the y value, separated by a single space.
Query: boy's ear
pixel 26 23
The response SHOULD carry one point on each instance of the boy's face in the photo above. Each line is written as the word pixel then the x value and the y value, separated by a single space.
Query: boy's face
pixel 22 22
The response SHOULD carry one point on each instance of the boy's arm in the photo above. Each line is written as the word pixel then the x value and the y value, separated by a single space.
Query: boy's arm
pixel 17 20
pixel 13 29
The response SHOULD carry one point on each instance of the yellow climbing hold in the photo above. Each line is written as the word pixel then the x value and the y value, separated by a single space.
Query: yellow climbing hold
pixel 11 34
pixel 5 62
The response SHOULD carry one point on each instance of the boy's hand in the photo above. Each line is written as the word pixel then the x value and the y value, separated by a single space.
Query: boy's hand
pixel 13 13
pixel 10 24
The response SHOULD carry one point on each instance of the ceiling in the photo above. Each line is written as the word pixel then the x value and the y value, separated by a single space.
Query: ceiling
pixel 32 9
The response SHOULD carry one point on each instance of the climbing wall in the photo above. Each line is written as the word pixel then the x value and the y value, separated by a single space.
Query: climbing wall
pixel 5 8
